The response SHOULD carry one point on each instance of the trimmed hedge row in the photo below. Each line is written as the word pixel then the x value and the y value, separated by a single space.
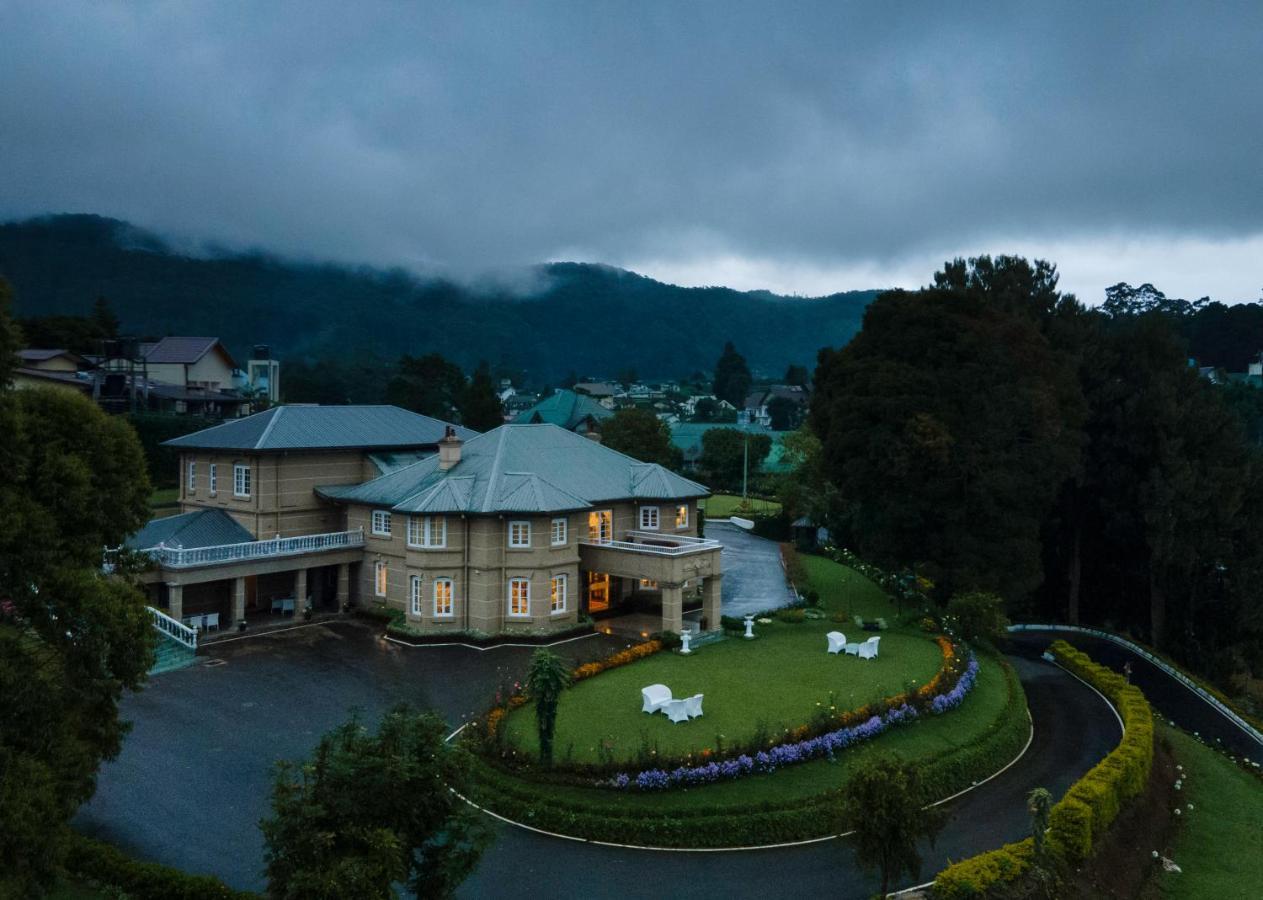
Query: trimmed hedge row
pixel 103 863
pixel 686 821
pixel 1079 821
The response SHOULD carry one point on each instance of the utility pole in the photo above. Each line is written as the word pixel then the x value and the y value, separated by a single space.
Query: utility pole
pixel 745 462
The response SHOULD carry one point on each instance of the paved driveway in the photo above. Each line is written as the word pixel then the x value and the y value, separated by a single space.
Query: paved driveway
pixel 753 577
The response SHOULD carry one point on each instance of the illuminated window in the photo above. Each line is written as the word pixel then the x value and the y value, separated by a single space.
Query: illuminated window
pixel 519 597
pixel 240 480
pixel 381 522
pixel 559 532
pixel 648 584
pixel 379 579
pixel 427 531
pixel 600 525
pixel 519 534
pixel 682 516
pixel 214 479
pixel 558 601
pixel 649 518
pixel 192 479
pixel 443 597
pixel 414 594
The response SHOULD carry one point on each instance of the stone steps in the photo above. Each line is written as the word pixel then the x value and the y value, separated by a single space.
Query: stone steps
pixel 170 655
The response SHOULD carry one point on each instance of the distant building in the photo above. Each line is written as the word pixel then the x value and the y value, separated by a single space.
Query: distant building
pixel 196 362
pixel 568 410
pixel 687 436
pixel 598 389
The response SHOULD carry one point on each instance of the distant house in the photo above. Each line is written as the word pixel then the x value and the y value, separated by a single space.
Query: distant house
pixel 52 368
pixel 190 362
pixel 568 410
pixel 598 389
pixel 755 408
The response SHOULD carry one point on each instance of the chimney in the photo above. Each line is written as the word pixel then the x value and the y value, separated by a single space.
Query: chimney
pixel 449 449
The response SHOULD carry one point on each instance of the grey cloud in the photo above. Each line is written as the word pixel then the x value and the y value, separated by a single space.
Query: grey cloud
pixel 467 136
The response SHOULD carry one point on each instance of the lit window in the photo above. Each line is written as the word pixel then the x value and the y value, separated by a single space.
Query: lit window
pixel 559 532
pixel 443 597
pixel 379 579
pixel 427 531
pixel 414 594
pixel 519 534
pixel 241 480
pixel 381 522
pixel 600 525
pixel 648 584
pixel 192 479
pixel 214 479
pixel 558 601
pixel 682 516
pixel 519 597
pixel 649 518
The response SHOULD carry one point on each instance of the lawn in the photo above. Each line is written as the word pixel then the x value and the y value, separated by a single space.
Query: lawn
pixel 1220 841
pixel 844 590
pixel 770 684
pixel 725 506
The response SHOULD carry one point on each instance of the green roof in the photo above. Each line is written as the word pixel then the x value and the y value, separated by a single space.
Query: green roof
pixel 565 409
pixel 321 428
pixel 520 469
pixel 200 528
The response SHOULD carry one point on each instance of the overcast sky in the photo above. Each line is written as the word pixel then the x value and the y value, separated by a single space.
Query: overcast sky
pixel 797 147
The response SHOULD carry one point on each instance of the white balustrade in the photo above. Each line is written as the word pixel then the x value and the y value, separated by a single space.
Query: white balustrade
pixel 176 630
pixel 182 557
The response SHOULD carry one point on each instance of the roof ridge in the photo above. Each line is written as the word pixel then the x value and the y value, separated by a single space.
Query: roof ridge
pixel 262 441
pixel 493 480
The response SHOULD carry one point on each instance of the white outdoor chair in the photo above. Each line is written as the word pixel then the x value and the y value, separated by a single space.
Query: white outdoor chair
pixel 655 697
pixel 677 710
pixel 287 607
pixel 212 621
pixel 693 706
pixel 868 649
pixel 837 641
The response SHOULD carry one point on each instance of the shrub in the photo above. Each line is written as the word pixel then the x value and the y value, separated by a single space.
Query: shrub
pixel 793 616
pixel 101 862
pixel 979 616
pixel 973 877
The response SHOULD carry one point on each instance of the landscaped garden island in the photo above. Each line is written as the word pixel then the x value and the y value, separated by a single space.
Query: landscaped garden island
pixel 785 723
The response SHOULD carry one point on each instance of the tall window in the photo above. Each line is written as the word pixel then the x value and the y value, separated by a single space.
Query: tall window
pixel 558 600
pixel 682 516
pixel 414 594
pixel 443 597
pixel 192 479
pixel 600 525
pixel 519 533
pixel 381 522
pixel 427 531
pixel 559 532
pixel 241 480
pixel 519 597
pixel 214 479
pixel 649 518
pixel 379 578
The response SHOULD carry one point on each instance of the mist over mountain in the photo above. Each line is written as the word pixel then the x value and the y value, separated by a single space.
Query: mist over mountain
pixel 547 321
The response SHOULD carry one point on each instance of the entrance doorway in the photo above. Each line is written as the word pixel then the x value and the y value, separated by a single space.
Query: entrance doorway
pixel 598 592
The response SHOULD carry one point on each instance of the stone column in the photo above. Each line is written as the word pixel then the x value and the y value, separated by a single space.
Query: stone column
pixel 300 591
pixel 238 600
pixel 344 584
pixel 712 591
pixel 672 607
pixel 175 600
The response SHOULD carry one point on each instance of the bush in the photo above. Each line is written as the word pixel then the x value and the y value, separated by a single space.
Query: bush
pixel 973 877
pixel 793 616
pixel 103 863
pixel 979 616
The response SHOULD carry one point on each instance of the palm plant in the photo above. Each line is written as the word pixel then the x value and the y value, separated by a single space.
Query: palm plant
pixel 547 677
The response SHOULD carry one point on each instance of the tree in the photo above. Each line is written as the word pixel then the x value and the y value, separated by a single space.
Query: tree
pixel 373 810
pixel 480 407
pixel 979 616
pixel 71 638
pixel 430 385
pixel 547 677
pixel 882 802
pixel 803 488
pixel 1039 804
pixel 104 319
pixel 797 375
pixel 626 377
pixel 641 435
pixel 723 458
pixel 732 376
pixel 784 413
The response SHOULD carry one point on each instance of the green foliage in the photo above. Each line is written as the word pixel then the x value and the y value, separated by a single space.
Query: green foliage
pixel 797 375
pixel 430 385
pixel 882 803
pixel 723 458
pixel 546 678
pixel 978 616
pixel 103 863
pixel 370 811
pixel 732 376
pixel 804 489
pixel 480 407
pixel 784 413
pixel 641 435
pixel 1039 804
pixel 152 428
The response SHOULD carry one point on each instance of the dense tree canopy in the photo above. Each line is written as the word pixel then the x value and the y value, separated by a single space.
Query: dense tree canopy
pixel 480 407
pixel 642 435
pixel 724 460
pixel 732 376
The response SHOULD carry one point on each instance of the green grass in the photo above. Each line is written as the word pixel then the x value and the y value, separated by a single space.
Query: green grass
pixel 72 889
pixel 1220 842
pixel 779 680
pixel 844 590
pixel 724 506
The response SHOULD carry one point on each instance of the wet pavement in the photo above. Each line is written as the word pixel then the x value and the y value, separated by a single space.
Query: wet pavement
pixel 754 579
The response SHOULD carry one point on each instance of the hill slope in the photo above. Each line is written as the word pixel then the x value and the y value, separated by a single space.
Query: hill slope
pixel 584 318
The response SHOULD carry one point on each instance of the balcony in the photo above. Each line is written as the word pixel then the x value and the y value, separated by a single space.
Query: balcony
pixel 653 555
pixel 183 558
pixel 659 544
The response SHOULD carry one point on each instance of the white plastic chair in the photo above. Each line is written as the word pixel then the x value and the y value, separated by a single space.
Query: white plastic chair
pixel 837 641
pixel 693 705
pixel 868 649
pixel 676 710
pixel 212 621
pixel 655 697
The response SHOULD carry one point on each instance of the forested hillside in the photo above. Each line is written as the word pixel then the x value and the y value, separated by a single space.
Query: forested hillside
pixel 583 318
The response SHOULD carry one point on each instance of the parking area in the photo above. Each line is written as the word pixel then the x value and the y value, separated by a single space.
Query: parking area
pixel 753 577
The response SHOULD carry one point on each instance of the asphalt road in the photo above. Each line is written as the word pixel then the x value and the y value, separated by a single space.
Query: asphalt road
pixel 194 775
pixel 753 577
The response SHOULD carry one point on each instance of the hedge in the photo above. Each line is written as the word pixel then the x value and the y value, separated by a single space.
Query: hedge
pixel 1083 816
pixel 103 863
pixel 689 822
